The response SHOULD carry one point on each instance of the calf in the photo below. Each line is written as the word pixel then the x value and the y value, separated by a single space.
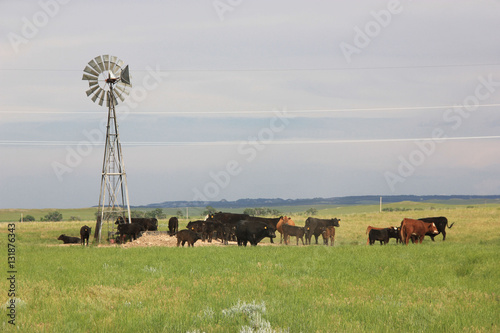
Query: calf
pixel 69 239
pixel 329 234
pixel 85 232
pixel 292 230
pixel 130 229
pixel 173 226
pixel 382 234
pixel 188 236
pixel 410 227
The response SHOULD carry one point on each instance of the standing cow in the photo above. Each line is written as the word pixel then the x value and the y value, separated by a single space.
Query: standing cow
pixel 253 232
pixel 85 232
pixel 410 228
pixel 316 227
pixel 173 226
pixel 440 222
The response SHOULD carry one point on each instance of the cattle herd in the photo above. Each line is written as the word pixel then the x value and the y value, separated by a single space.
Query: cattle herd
pixel 244 229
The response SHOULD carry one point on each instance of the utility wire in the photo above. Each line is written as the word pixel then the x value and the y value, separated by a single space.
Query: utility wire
pixel 306 111
pixel 239 142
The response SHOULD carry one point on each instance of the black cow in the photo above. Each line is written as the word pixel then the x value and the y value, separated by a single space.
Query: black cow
pixel 148 223
pixel 228 221
pixel 69 239
pixel 173 226
pixel 187 235
pixel 316 227
pixel 85 232
pixel 292 230
pixel 441 223
pixel 253 232
pixel 130 229
pixel 381 235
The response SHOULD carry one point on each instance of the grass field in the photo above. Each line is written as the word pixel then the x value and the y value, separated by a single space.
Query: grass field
pixel 438 286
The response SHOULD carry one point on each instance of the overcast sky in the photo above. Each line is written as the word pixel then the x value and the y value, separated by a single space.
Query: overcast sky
pixel 252 99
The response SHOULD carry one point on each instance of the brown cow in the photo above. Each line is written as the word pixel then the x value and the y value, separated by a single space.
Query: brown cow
pixel 410 227
pixel 328 234
pixel 279 226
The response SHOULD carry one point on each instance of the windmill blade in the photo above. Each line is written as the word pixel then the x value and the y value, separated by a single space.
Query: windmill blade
pixel 89 77
pixel 91 90
pixel 90 71
pixel 93 83
pixel 115 98
pixel 117 95
pixel 101 98
pixel 106 99
pixel 120 63
pixel 96 96
pixel 106 61
pixel 94 66
pixel 122 90
pixel 125 76
pixel 112 63
pixel 98 59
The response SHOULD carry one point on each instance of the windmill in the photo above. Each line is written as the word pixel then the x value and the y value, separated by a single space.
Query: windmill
pixel 108 82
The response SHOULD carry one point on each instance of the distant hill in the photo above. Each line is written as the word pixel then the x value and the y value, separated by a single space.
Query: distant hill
pixel 341 201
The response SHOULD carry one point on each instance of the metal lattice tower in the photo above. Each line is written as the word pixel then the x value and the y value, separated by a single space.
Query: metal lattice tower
pixel 108 83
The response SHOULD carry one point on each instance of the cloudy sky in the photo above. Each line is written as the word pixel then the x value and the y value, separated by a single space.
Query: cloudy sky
pixel 252 99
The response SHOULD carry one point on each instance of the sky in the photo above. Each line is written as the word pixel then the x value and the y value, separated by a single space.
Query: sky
pixel 239 99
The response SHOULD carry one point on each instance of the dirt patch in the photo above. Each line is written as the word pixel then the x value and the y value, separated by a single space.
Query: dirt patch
pixel 161 238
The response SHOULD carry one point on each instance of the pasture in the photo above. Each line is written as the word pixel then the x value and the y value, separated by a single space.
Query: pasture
pixel 433 287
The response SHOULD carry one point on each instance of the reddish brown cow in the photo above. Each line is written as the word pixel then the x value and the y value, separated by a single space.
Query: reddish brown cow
pixel 329 234
pixel 279 226
pixel 410 227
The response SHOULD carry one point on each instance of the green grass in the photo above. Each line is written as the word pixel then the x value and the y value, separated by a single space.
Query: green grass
pixel 438 286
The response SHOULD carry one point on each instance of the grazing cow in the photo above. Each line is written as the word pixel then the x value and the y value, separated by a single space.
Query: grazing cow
pixel 85 232
pixel 187 235
pixel 173 226
pixel 130 229
pixel 410 227
pixel 253 232
pixel 69 239
pixel 440 222
pixel 292 230
pixel 148 223
pixel 316 226
pixel 328 234
pixel 279 227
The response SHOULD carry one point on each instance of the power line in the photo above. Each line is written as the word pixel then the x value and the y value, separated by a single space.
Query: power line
pixel 264 69
pixel 239 142
pixel 307 111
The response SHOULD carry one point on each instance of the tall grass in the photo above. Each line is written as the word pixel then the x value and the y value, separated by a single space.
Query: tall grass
pixel 434 287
